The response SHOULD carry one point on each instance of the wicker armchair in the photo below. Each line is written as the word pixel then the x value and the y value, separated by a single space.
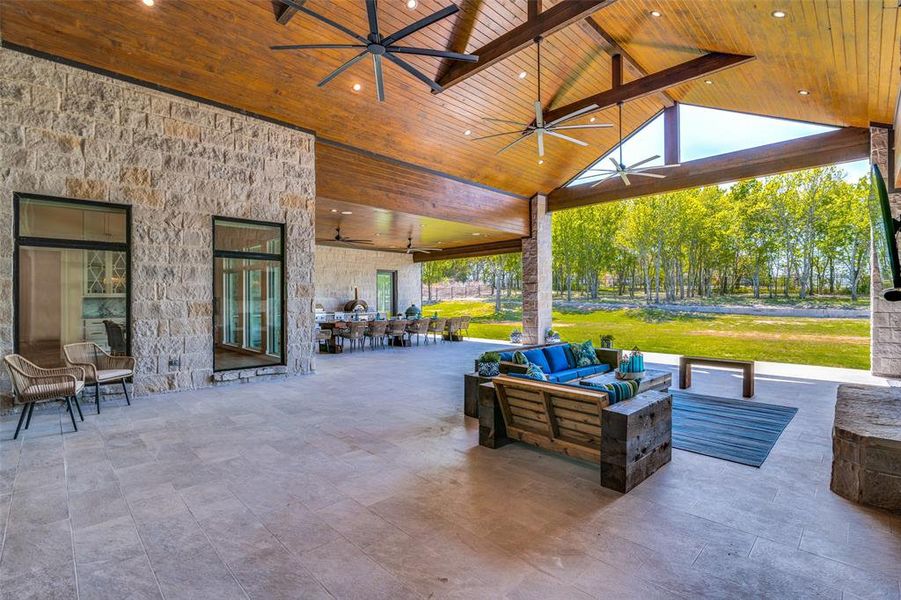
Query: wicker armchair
pixel 355 332
pixel 376 333
pixel 100 367
pixel 464 325
pixel 453 328
pixel 436 328
pixel 397 330
pixel 419 328
pixel 33 384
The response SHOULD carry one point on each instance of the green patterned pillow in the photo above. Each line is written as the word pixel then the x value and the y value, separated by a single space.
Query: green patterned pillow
pixel 585 354
pixel 535 372
pixel 520 358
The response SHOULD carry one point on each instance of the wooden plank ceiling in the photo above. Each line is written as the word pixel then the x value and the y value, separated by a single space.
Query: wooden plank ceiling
pixel 844 52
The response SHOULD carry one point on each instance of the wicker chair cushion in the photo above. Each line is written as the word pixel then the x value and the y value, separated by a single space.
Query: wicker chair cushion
pixel 45 391
pixel 113 374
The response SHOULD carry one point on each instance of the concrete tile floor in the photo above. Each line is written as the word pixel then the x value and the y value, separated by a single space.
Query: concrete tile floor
pixel 365 481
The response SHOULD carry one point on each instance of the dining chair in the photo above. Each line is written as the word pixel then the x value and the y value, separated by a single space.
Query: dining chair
pixel 376 333
pixel 33 384
pixel 100 368
pixel 419 328
pixel 464 325
pixel 453 328
pixel 354 332
pixel 397 330
pixel 436 328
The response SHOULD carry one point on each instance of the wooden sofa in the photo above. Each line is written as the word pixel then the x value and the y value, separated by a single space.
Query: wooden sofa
pixel 607 356
pixel 630 439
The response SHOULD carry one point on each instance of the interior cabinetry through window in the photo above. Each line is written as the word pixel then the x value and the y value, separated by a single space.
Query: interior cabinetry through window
pixel 248 291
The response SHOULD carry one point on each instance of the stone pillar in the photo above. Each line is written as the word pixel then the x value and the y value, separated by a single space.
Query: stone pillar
pixel 885 317
pixel 536 273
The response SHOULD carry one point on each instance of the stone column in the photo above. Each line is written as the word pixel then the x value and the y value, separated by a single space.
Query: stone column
pixel 885 317
pixel 536 273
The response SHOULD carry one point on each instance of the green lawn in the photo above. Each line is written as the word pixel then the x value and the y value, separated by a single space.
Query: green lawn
pixel 828 342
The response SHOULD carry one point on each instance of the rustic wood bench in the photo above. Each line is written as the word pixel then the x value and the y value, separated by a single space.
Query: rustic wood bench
pixel 745 366
pixel 630 440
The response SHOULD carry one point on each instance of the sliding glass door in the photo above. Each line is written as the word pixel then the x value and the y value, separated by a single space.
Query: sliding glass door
pixel 248 285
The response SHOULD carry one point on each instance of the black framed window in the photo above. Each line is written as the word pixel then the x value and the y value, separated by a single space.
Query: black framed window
pixel 386 292
pixel 72 281
pixel 248 294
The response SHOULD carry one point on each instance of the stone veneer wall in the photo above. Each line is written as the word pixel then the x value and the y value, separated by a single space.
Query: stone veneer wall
pixel 339 270
pixel 537 294
pixel 885 322
pixel 73 133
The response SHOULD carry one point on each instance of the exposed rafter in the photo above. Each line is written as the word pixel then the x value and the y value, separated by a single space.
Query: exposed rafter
pixel 543 24
pixel 656 82
pixel 841 145
pixel 284 12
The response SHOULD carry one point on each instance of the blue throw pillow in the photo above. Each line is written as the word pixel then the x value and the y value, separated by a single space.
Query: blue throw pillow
pixel 535 355
pixel 556 358
pixel 535 372
pixel 585 354
pixel 506 356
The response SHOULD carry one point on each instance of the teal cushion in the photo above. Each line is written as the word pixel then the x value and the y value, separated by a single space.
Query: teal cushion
pixel 536 356
pixel 565 375
pixel 570 357
pixel 556 358
pixel 506 356
pixel 535 372
pixel 585 355
pixel 520 358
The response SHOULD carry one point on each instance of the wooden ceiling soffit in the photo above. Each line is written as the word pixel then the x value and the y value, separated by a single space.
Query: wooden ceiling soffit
pixel 841 145
pixel 350 175
pixel 544 23
pixel 474 251
pixel 651 84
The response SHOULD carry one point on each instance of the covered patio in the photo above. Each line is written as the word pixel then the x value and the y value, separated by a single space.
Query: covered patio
pixel 374 487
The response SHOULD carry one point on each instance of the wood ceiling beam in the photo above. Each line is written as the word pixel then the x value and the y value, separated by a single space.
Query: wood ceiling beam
pixel 284 12
pixel 841 145
pixel 656 82
pixel 474 251
pixel 590 26
pixel 544 23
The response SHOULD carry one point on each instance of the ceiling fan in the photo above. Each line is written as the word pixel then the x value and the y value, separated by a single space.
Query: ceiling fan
pixel 411 249
pixel 538 127
pixel 378 46
pixel 621 170
pixel 345 240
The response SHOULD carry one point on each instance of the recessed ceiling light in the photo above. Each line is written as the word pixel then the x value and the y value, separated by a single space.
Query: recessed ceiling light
pixel 541 162
pixel 147 2
pixel 522 74
pixel 467 132
pixel 347 212
pixel 779 14
pixel 357 87
pixel 592 119
pixel 334 210
pixel 476 233
pixel 411 4
pixel 655 13
pixel 804 92
pixel 708 81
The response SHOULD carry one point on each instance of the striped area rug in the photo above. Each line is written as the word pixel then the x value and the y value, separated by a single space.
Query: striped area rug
pixel 741 431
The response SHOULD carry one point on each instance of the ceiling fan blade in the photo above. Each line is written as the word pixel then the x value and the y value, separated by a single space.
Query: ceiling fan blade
pixel 660 167
pixel 315 46
pixel 433 52
pixel 414 72
pixel 342 68
pixel 540 133
pixel 494 135
pixel 567 138
pixel 615 164
pixel 424 22
pixel 625 178
pixel 326 20
pixel 600 126
pixel 372 15
pixel 600 181
pixel 647 160
pixel 513 143
pixel 539 114
pixel 575 114
pixel 379 80
pixel 653 175
pixel 517 123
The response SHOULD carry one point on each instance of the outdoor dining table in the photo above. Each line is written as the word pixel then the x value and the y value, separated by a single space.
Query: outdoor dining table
pixel 333 347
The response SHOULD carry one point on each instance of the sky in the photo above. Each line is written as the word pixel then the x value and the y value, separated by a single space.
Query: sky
pixel 707 132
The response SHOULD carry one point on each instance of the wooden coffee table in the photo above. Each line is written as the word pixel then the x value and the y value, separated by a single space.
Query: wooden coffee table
pixel 653 380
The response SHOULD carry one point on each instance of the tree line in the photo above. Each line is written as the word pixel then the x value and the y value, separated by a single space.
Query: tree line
pixel 794 235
